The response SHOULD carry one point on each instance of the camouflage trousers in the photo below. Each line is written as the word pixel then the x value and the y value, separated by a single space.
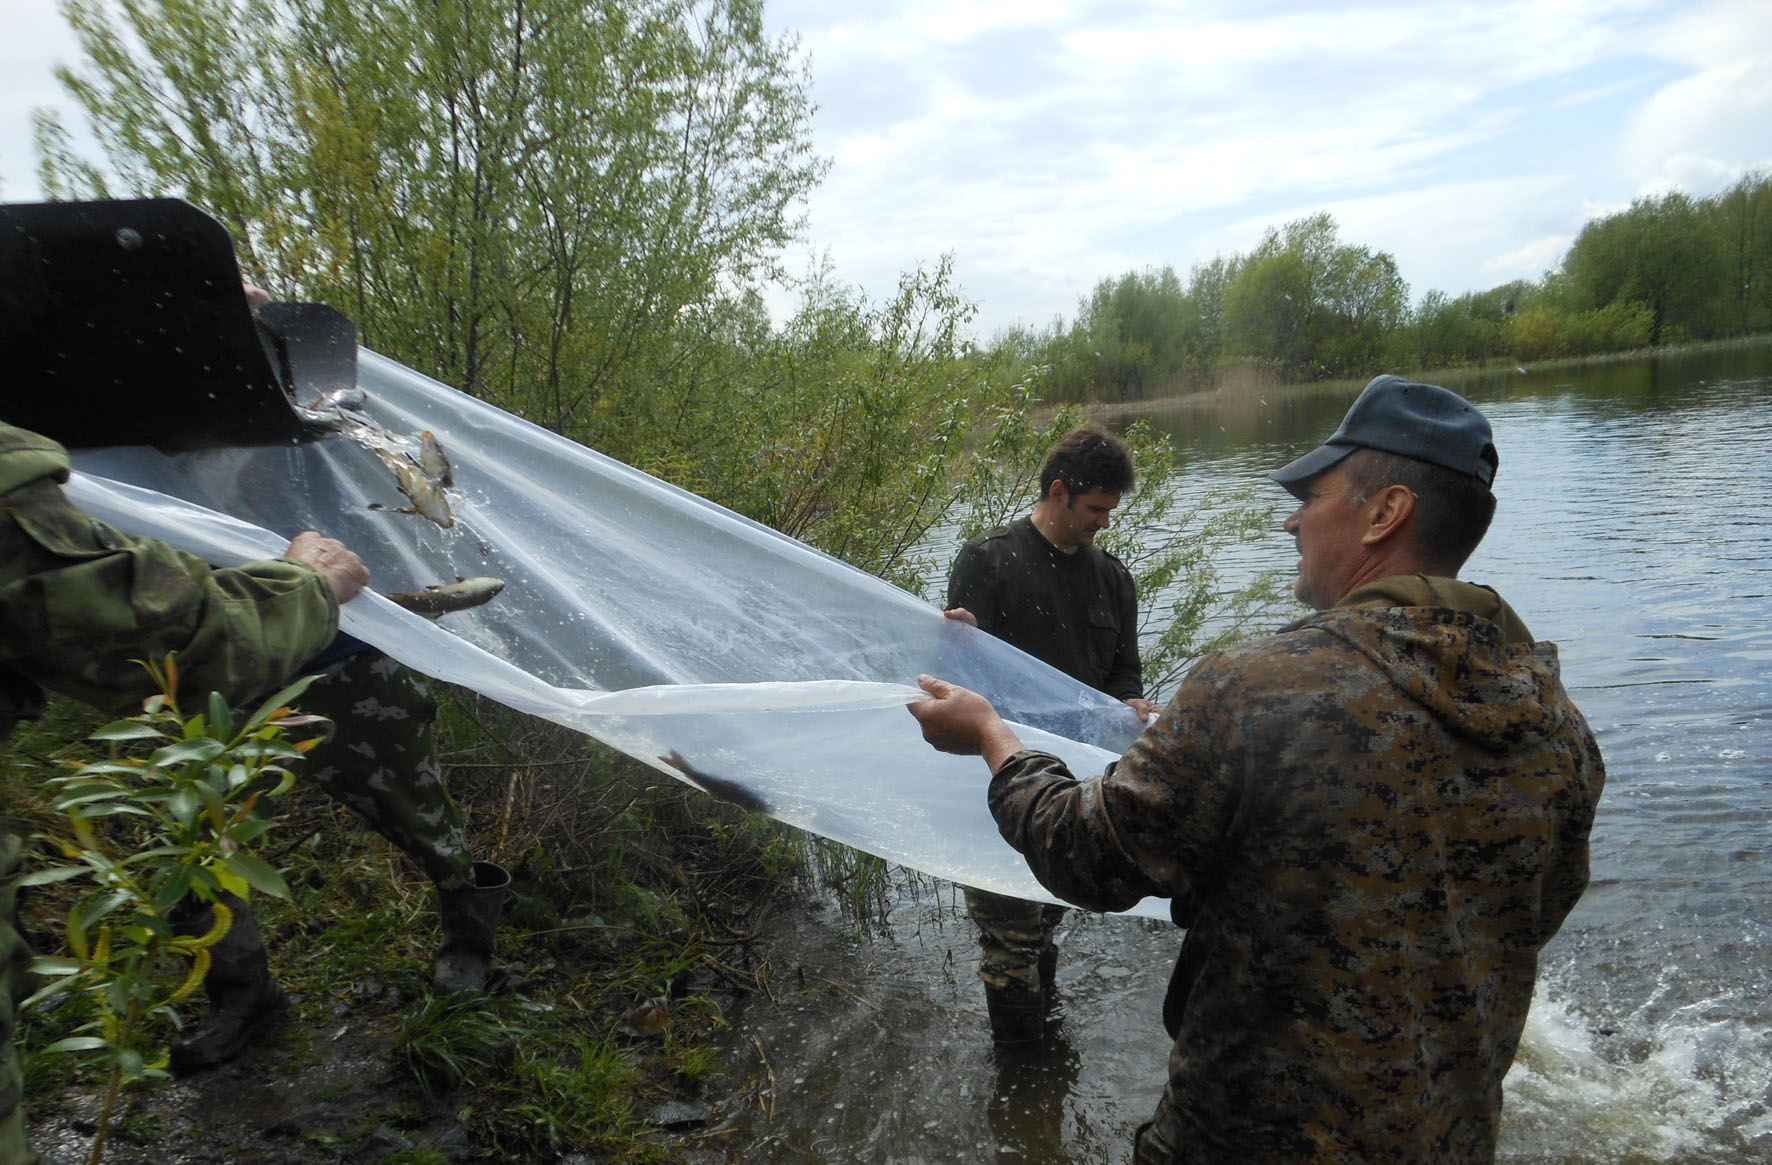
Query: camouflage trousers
pixel 381 761
pixel 1012 935
pixel 15 958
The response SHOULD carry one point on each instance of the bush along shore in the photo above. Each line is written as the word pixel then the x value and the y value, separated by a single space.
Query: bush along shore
pixel 630 935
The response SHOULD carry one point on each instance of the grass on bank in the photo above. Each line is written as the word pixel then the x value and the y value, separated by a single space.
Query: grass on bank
pixel 627 888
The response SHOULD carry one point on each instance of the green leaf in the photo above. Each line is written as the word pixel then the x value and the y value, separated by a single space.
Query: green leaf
pixel 278 700
pixel 54 874
pixel 126 730
pixel 199 751
pixel 77 1044
pixel 104 907
pixel 261 874
pixel 212 803
pixel 173 890
pixel 94 811
pixel 230 881
pixel 97 767
pixel 221 718
pixel 84 793
pixel 184 806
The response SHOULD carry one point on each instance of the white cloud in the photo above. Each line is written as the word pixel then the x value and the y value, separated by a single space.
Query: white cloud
pixel 1048 144
pixel 36 40
pixel 1703 130
pixel 1530 261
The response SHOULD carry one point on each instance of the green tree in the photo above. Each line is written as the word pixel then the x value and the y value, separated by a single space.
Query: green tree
pixel 1664 253
pixel 1267 310
pixel 1743 216
pixel 540 202
pixel 1207 283
pixel 852 428
pixel 1313 304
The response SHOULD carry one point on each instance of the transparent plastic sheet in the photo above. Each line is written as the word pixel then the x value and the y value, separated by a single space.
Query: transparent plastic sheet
pixel 642 615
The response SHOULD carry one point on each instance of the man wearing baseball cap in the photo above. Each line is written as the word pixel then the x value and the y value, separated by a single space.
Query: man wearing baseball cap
pixel 1370 822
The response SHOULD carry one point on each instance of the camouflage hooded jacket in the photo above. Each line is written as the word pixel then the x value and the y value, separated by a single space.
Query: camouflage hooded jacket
pixel 80 601
pixel 1370 823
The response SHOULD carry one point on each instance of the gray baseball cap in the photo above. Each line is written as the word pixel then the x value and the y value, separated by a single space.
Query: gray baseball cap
pixel 1423 421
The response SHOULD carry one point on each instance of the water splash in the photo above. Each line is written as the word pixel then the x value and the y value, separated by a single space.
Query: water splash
pixel 1689 1083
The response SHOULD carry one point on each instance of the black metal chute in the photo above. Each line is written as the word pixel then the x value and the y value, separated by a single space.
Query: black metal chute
pixel 126 323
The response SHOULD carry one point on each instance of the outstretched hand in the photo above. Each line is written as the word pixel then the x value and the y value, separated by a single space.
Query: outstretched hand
pixel 1147 711
pixel 961 721
pixel 345 573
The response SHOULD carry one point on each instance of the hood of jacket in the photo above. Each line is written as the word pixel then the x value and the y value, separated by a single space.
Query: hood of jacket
pixel 1459 650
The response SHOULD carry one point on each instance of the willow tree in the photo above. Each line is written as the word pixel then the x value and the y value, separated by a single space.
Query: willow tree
pixel 1744 225
pixel 1312 303
pixel 1664 253
pixel 536 200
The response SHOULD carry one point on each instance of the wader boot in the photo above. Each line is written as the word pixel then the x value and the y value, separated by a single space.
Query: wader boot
pixel 1018 1015
pixel 470 917
pixel 1049 974
pixel 242 995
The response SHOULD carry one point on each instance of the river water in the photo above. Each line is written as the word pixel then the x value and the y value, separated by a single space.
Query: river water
pixel 1629 531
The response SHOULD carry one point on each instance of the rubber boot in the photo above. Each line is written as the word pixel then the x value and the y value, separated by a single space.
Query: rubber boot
pixel 243 997
pixel 1049 974
pixel 470 917
pixel 1017 1017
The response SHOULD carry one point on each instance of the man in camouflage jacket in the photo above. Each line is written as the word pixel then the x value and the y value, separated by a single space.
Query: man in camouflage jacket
pixel 80 601
pixel 1370 822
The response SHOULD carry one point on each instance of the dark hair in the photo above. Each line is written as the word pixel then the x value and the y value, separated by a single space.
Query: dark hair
pixel 1452 509
pixel 1088 457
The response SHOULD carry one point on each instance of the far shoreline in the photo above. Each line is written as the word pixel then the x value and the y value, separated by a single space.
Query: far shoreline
pixel 1242 382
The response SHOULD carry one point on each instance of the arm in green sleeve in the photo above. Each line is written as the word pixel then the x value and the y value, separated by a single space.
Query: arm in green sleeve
pixel 80 602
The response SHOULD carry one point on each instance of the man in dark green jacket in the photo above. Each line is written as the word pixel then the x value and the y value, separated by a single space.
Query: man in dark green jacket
pixel 1370 823
pixel 1041 584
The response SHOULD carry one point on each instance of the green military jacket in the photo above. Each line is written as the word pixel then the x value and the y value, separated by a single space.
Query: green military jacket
pixel 1077 612
pixel 79 602
pixel 1370 823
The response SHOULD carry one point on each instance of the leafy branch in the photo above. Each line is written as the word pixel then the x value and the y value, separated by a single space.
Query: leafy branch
pixel 186 791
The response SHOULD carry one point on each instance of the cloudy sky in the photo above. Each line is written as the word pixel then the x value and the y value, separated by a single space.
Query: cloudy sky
pixel 1048 144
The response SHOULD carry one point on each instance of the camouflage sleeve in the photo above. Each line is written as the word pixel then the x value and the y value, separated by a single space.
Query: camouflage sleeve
pixel 1154 824
pixel 79 602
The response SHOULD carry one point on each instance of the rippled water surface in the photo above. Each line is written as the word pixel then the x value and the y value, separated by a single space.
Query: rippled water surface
pixel 1630 530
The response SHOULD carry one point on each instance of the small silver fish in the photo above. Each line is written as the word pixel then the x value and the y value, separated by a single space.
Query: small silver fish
pixel 442 598
pixel 425 493
pixel 432 460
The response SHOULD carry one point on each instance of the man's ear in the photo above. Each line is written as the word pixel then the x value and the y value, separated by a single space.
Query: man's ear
pixel 1059 492
pixel 1389 512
